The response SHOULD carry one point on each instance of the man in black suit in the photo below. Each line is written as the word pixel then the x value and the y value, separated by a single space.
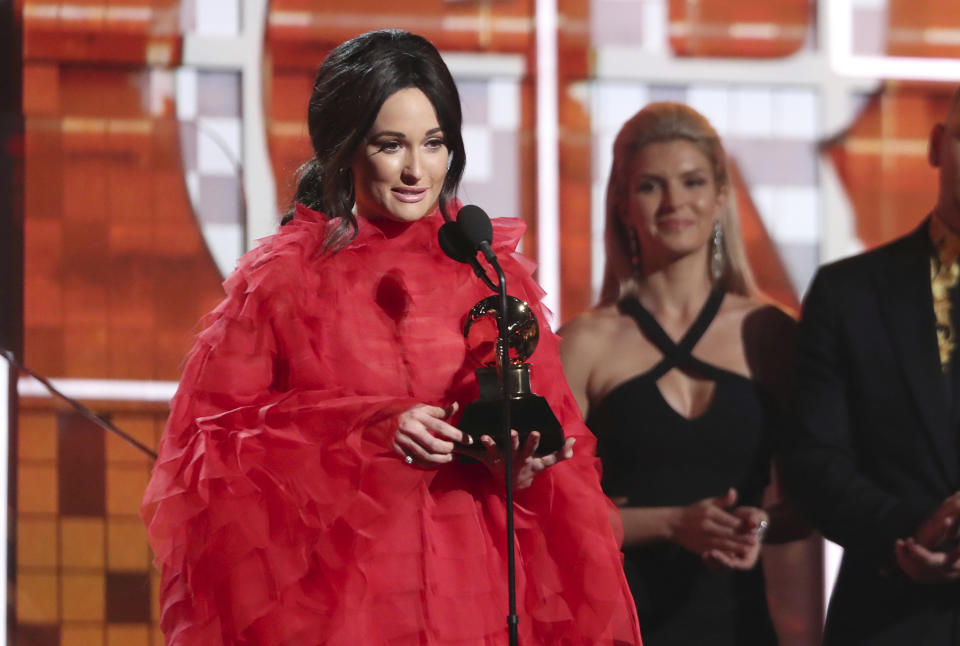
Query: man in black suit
pixel 872 453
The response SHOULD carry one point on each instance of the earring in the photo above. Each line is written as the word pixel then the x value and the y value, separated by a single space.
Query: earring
pixel 717 261
pixel 633 242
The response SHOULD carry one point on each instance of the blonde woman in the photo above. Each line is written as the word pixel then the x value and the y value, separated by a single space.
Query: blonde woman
pixel 679 371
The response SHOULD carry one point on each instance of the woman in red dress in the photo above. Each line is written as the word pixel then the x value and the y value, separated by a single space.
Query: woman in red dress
pixel 307 491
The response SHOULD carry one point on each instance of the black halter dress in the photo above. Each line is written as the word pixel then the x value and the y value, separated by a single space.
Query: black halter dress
pixel 655 457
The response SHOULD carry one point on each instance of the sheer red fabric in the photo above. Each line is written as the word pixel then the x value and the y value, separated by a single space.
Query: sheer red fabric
pixel 280 514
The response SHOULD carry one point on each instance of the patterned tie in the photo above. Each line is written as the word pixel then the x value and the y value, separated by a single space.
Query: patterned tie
pixel 944 275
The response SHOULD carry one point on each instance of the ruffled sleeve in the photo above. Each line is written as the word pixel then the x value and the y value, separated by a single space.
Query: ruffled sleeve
pixel 254 484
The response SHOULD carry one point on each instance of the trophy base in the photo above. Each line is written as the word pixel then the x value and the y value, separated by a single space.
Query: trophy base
pixel 528 413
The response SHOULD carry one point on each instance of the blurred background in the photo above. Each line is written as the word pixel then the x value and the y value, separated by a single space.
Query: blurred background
pixel 146 144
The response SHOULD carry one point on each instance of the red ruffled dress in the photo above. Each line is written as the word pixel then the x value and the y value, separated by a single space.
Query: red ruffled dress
pixel 279 512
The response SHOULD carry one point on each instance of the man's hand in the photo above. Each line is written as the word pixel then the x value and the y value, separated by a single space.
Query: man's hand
pixel 931 555
pixel 927 566
pixel 942 526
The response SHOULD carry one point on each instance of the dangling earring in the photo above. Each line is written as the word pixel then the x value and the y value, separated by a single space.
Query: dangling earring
pixel 716 254
pixel 633 242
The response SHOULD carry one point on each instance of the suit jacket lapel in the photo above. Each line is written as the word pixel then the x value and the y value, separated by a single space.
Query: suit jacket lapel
pixel 907 303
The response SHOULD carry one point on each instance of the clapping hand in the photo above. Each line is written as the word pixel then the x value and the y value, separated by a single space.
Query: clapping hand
pixel 931 555
pixel 724 537
pixel 753 525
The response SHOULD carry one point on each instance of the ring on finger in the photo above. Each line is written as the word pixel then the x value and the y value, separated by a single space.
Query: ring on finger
pixel 408 459
pixel 762 530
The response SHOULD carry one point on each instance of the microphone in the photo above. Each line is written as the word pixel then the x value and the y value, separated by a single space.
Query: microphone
pixel 457 246
pixel 478 230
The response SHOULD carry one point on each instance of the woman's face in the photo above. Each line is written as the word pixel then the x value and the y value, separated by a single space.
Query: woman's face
pixel 399 170
pixel 673 198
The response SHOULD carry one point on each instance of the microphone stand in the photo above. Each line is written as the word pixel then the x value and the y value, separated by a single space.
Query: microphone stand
pixel 503 362
pixel 77 406
pixel 473 233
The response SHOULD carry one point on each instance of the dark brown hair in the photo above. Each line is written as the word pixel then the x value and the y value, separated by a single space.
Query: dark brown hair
pixel 351 86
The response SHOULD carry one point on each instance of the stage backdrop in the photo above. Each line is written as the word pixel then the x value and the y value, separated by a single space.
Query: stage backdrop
pixel 162 137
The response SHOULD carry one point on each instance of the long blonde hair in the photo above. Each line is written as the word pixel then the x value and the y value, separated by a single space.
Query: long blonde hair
pixel 659 122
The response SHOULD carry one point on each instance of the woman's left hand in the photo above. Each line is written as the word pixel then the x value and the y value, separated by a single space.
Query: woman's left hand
pixel 526 465
pixel 753 523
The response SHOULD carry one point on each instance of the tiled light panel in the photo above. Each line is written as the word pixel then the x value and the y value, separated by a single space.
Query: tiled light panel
pixel 84 568
pixel 870 35
pixel 491 121
pixel 209 114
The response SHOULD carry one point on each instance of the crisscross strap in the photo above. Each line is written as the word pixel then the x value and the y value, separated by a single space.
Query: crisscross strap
pixel 676 355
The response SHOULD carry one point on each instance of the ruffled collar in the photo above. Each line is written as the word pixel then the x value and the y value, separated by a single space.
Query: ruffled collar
pixel 420 233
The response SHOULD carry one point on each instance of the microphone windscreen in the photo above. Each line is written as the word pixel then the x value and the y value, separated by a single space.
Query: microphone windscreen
pixel 476 225
pixel 454 243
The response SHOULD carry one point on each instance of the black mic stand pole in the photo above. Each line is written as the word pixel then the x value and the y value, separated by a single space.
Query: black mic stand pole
pixel 77 406
pixel 474 224
pixel 503 363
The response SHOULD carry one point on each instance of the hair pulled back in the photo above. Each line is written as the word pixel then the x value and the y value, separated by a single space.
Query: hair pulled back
pixel 351 85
